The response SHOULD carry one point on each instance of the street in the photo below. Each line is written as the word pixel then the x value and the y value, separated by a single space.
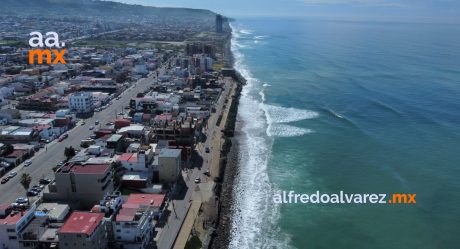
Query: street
pixel 44 160
pixel 201 191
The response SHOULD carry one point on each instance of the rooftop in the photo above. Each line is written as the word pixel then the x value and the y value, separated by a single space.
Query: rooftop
pixel 170 152
pixel 12 218
pixel 84 169
pixel 82 222
pixel 134 206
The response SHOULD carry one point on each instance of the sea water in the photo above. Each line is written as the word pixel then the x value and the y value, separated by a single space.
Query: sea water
pixel 359 107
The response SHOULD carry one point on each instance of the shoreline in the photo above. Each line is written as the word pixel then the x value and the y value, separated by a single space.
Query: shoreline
pixel 220 238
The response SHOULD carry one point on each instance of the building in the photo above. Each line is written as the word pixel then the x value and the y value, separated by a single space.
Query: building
pixel 81 185
pixel 137 161
pixel 41 231
pixel 81 102
pixel 219 24
pixel 134 223
pixel 12 222
pixel 16 134
pixel 83 230
pixel 169 164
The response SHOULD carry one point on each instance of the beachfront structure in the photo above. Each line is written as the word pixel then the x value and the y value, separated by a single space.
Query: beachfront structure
pixel 83 230
pixel 169 164
pixel 134 223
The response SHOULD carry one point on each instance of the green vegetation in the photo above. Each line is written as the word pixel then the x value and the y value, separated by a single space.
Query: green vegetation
pixel 232 112
pixel 219 119
pixel 193 243
pixel 69 152
pixel 26 180
pixel 142 44
pixel 100 9
pixel 8 149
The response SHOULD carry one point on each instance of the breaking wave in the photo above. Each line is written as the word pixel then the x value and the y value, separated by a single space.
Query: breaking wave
pixel 255 217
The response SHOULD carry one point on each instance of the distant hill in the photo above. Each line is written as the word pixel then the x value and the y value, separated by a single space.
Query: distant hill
pixel 98 9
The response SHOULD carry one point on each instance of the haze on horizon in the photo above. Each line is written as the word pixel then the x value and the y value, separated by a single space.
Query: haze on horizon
pixel 445 11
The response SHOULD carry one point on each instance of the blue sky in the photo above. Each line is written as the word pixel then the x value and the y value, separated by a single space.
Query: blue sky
pixel 372 10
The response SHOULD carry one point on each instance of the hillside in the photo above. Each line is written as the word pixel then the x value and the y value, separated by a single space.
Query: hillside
pixel 98 9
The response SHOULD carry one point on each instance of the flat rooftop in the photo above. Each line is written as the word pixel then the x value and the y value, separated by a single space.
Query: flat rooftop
pixel 84 169
pixel 82 223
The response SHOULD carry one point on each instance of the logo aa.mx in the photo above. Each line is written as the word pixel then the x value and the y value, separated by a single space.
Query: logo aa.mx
pixel 51 41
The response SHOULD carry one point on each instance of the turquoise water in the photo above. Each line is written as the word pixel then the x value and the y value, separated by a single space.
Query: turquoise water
pixel 352 106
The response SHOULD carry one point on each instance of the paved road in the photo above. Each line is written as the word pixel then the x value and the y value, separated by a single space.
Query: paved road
pixel 45 160
pixel 194 192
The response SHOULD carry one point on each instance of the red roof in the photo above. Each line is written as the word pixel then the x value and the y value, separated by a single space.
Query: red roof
pixel 16 154
pixel 128 157
pixel 85 169
pixel 82 222
pixel 41 127
pixel 12 218
pixel 135 201
pixel 126 214
pixel 91 169
pixel 154 200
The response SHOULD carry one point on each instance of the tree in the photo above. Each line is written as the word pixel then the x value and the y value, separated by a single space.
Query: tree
pixel 69 152
pixel 26 180
pixel 8 149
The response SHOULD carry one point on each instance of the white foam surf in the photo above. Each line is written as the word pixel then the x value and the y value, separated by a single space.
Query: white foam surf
pixel 254 219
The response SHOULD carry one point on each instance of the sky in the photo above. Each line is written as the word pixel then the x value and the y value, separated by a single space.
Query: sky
pixel 368 10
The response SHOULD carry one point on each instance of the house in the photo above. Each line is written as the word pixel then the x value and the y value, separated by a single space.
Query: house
pixel 83 230
pixel 133 161
pixel 12 222
pixel 82 185
pixel 41 231
pixel 135 221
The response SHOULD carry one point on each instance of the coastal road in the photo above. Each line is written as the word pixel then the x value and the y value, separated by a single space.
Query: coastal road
pixel 201 191
pixel 44 160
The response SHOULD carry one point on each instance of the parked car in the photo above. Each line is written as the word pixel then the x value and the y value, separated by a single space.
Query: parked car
pixel 32 192
pixel 91 127
pixel 27 163
pixel 197 180
pixel 97 122
pixel 83 123
pixel 21 200
pixel 207 173
pixel 207 150
pixel 109 123
pixel 44 181
pixel 61 138
pixel 12 174
pixel 5 180
pixel 39 187
pixel 65 135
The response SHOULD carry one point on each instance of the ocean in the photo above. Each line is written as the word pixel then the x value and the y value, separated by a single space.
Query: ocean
pixel 359 107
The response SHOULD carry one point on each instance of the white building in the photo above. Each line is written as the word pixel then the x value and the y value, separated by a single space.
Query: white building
pixel 82 102
pixel 135 221
pixel 12 222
